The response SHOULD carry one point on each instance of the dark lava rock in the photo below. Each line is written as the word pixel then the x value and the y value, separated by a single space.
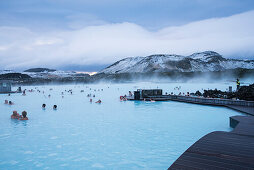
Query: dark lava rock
pixel 14 76
pixel 38 70
pixel 215 93
pixel 246 93
pixel 198 93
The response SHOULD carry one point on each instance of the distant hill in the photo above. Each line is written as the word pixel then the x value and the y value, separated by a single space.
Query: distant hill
pixel 38 70
pixel 208 61
pixel 14 76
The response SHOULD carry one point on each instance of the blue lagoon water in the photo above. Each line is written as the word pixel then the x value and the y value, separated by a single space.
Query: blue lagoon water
pixel 110 135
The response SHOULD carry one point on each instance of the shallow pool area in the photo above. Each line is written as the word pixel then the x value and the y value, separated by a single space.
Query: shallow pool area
pixel 112 135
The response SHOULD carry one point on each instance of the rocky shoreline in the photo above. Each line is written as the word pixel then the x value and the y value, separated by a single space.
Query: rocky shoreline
pixel 244 93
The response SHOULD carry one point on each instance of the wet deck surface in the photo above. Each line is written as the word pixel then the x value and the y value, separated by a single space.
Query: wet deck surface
pixel 244 109
pixel 222 150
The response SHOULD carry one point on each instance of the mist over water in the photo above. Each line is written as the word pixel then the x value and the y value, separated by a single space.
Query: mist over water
pixel 223 77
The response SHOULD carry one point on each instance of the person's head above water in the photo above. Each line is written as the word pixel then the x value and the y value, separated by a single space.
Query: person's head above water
pixel 55 106
pixel 15 113
pixel 10 102
pixel 43 105
pixel 24 113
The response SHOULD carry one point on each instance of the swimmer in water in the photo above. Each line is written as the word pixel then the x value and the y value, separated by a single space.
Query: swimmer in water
pixel 24 113
pixel 11 103
pixel 99 101
pixel 15 115
pixel 91 100
pixel 43 106
pixel 6 102
pixel 55 107
pixel 152 100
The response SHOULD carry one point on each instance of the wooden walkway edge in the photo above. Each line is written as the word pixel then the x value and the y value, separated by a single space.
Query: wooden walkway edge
pixel 222 150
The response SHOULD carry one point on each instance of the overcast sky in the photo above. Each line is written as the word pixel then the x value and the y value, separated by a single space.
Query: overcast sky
pixel 88 35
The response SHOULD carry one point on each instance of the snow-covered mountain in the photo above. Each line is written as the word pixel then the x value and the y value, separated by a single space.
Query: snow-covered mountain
pixel 204 61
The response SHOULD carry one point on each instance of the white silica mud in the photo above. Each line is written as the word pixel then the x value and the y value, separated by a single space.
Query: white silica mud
pixel 114 134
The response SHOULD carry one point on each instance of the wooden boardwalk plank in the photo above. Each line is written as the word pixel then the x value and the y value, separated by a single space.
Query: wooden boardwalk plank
pixel 215 162
pixel 214 159
pixel 218 150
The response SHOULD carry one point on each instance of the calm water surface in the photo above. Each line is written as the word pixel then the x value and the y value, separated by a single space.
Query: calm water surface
pixel 110 135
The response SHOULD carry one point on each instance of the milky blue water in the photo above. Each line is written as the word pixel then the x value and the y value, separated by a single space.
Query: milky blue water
pixel 110 135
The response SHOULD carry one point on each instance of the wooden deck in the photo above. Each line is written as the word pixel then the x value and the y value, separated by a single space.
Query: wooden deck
pixel 222 150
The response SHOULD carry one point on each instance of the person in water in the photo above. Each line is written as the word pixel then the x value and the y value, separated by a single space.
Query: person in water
pixel 55 107
pixel 24 113
pixel 15 115
pixel 152 100
pixel 99 101
pixel 6 102
pixel 43 106
pixel 130 93
pixel 91 100
pixel 10 103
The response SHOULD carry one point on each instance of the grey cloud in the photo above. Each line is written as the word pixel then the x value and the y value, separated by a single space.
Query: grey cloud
pixel 106 43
